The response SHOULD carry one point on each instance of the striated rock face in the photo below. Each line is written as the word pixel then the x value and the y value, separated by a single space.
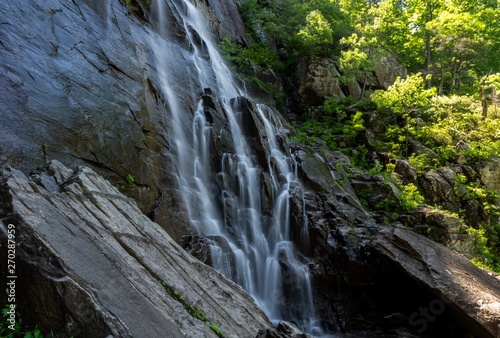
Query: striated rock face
pixel 457 286
pixel 81 83
pixel 76 84
pixel 89 263
pixel 224 18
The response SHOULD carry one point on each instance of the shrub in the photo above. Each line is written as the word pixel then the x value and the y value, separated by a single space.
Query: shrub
pixel 13 330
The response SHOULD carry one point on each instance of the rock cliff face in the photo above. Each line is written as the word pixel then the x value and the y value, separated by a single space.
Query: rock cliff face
pixel 81 84
pixel 76 85
pixel 90 264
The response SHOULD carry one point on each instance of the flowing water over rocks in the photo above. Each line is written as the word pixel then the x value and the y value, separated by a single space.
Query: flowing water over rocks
pixel 248 244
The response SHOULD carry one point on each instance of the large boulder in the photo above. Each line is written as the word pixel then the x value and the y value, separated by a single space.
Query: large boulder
pixel 438 187
pixel 386 71
pixel 445 228
pixel 319 79
pixel 458 287
pixel 89 264
pixel 283 330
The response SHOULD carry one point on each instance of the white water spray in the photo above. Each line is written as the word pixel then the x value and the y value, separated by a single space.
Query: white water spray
pixel 257 254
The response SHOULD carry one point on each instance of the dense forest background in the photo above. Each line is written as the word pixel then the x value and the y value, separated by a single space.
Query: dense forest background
pixel 443 114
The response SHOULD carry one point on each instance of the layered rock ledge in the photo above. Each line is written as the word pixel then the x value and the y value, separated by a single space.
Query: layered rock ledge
pixel 473 295
pixel 89 264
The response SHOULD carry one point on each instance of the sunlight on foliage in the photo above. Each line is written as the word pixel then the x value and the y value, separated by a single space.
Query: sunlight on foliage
pixel 317 30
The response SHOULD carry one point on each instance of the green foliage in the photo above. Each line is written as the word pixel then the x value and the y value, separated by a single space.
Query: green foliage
pixel 363 196
pixel 407 100
pixel 451 126
pixel 487 235
pixel 194 311
pixel 17 332
pixel 295 26
pixel 334 126
pixel 421 162
pixel 456 127
pixel 256 54
pixel 316 32
pixel 410 197
pixel 440 38
pixel 489 256
pixel 376 169
pixel 130 179
pixel 130 182
pixel 353 126
pixel 453 42
pixel 406 97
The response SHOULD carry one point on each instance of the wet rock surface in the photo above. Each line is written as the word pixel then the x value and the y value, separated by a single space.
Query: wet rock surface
pixel 75 87
pixel 282 330
pixel 360 287
pixel 91 262
pixel 81 85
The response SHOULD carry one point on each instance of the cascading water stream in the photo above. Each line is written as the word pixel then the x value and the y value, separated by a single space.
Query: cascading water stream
pixel 257 254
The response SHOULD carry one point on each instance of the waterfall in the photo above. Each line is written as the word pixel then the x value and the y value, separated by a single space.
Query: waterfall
pixel 226 207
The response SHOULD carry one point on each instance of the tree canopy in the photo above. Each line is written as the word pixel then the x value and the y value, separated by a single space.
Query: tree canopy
pixel 445 112
pixel 455 42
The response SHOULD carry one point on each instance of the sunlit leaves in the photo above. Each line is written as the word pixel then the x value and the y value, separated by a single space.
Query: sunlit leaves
pixel 405 97
pixel 317 30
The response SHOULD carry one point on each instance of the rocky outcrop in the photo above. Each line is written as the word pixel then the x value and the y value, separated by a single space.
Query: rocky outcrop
pixel 438 188
pixel 89 264
pixel 377 192
pixel 283 330
pixel 458 287
pixel 319 79
pixel 386 71
pixel 445 228
pixel 360 288
pixel 490 174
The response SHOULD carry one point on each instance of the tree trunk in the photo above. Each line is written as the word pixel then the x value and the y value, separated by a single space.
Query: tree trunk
pixel 484 104
pixel 495 101
pixel 428 59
